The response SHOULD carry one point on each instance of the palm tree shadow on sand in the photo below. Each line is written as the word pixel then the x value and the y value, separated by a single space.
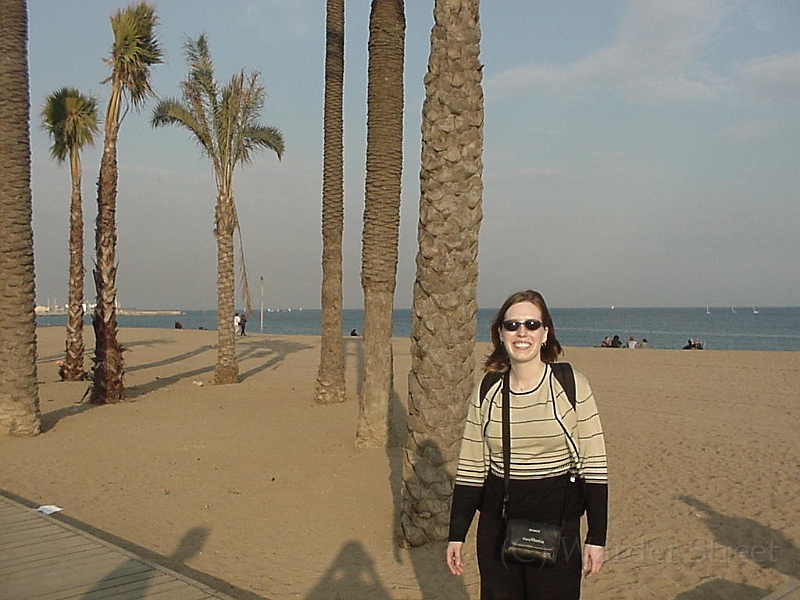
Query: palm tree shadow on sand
pixel 267 354
pixel 354 359
pixel 767 547
pixel 430 569
pixel 723 589
pixel 254 356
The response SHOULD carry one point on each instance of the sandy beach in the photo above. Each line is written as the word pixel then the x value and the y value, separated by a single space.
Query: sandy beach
pixel 255 490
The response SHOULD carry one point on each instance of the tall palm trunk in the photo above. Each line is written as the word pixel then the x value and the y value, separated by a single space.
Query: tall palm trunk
pixel 330 378
pixel 381 214
pixel 19 396
pixel 443 328
pixel 108 370
pixel 224 121
pixel 73 368
pixel 227 369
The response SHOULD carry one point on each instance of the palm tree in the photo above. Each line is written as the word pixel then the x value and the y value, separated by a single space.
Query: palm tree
pixel 224 122
pixel 134 52
pixel 445 291
pixel 330 385
pixel 71 120
pixel 19 395
pixel 381 214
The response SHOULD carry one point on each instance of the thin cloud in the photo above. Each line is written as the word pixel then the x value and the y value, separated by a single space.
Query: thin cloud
pixel 776 78
pixel 654 58
pixel 750 130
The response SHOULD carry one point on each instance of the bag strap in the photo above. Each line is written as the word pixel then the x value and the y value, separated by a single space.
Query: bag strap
pixel 566 377
pixel 506 420
pixel 489 379
pixel 506 440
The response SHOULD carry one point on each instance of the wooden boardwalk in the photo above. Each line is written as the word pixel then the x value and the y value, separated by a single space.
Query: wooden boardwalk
pixel 42 558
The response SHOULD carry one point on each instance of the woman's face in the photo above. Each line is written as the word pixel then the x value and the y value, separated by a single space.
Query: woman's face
pixel 523 345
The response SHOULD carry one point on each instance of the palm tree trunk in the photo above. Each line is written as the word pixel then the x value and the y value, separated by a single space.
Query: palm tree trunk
pixel 19 396
pixel 108 370
pixel 444 321
pixel 330 385
pixel 381 214
pixel 227 370
pixel 72 369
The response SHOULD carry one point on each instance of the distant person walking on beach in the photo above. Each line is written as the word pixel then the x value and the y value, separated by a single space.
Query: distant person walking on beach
pixel 242 324
pixel 557 461
pixel 236 323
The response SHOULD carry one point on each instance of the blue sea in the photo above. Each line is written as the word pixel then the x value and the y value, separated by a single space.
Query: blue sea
pixel 720 328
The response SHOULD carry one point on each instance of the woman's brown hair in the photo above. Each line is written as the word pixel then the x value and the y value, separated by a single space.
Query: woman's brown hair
pixel 498 360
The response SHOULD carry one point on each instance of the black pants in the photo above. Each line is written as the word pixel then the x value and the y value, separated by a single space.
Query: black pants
pixel 514 581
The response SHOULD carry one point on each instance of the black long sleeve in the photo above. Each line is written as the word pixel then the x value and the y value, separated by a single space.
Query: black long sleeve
pixel 466 499
pixel 596 513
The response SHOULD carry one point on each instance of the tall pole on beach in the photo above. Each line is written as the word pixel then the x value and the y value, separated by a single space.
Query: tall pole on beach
pixel 262 304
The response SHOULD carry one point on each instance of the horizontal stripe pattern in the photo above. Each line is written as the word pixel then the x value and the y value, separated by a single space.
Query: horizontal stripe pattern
pixel 539 447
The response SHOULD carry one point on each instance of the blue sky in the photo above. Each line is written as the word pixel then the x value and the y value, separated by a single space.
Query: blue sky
pixel 637 153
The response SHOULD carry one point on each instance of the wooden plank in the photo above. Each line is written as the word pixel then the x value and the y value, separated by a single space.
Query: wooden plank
pixel 43 558
pixel 130 589
pixel 13 530
pixel 38 556
pixel 58 566
pixel 65 575
pixel 128 572
pixel 126 575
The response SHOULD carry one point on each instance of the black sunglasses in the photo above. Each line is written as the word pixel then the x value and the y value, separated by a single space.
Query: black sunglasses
pixel 530 325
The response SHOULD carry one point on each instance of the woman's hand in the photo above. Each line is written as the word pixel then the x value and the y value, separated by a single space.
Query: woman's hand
pixel 593 559
pixel 454 558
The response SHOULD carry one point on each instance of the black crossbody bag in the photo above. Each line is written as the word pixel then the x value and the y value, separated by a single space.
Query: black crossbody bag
pixel 526 541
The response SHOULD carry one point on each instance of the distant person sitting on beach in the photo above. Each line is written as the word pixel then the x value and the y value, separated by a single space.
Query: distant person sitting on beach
pixel 616 342
pixel 645 344
pixel 178 325
pixel 632 343
pixel 606 343
pixel 353 333
pixel 694 345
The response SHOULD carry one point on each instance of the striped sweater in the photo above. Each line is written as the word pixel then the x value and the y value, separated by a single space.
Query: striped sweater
pixel 539 448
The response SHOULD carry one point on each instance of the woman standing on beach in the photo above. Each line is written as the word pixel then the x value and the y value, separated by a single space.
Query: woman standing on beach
pixel 524 344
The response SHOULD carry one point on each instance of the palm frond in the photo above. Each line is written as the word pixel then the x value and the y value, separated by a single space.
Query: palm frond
pixel 135 50
pixel 224 119
pixel 171 111
pixel 267 137
pixel 71 120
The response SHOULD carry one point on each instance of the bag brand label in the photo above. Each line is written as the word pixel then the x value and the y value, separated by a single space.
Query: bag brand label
pixel 533 540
